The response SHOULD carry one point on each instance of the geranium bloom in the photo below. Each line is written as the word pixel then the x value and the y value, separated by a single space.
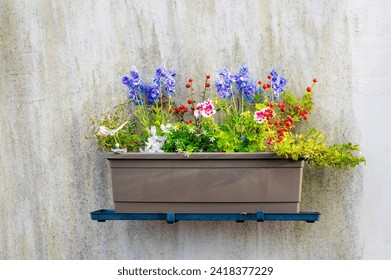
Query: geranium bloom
pixel 205 109
pixel 263 115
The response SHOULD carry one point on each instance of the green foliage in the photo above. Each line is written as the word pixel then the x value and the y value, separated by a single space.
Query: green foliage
pixel 189 138
pixel 148 116
pixel 312 147
pixel 240 133
pixel 126 137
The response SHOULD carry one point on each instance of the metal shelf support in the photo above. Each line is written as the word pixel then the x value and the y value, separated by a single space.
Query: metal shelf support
pixel 171 217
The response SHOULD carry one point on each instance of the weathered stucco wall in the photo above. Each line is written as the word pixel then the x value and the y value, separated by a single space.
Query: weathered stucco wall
pixel 60 62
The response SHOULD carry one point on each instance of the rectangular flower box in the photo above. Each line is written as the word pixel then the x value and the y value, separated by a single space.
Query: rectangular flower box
pixel 205 183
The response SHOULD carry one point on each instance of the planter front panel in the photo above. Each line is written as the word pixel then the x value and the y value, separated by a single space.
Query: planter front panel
pixel 206 185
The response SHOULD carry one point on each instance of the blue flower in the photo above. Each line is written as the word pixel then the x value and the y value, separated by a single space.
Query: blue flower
pixel 278 84
pixel 169 82
pixel 166 79
pixel 244 84
pixel 137 89
pixel 152 93
pixel 224 84
pixel 134 83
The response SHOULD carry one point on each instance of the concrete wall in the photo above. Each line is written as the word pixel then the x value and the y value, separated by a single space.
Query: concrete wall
pixel 60 62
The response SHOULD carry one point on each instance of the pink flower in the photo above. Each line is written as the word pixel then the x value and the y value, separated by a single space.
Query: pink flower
pixel 205 109
pixel 263 115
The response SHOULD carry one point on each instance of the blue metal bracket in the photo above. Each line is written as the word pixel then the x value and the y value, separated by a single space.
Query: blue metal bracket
pixel 171 218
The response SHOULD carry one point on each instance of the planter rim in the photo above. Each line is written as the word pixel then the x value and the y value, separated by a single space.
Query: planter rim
pixel 211 156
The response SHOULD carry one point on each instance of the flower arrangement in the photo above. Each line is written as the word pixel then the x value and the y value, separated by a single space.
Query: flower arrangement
pixel 238 114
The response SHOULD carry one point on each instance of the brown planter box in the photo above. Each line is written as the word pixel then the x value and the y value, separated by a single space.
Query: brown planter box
pixel 205 183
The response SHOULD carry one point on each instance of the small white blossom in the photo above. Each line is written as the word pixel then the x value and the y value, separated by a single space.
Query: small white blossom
pixel 166 128
pixel 104 131
pixel 154 143
pixel 212 139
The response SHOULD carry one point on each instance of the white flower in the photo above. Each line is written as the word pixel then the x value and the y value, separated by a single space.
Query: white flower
pixel 166 128
pixel 103 131
pixel 191 130
pixel 154 143
pixel 152 130
pixel 212 139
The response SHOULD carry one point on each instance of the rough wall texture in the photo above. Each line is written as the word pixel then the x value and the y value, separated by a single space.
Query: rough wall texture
pixel 60 62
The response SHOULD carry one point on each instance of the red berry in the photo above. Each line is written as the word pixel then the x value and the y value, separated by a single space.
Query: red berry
pixel 170 111
pixel 264 86
pixel 271 104
pixel 277 123
pixel 177 110
pixel 269 77
pixel 290 119
pixel 283 109
pixel 207 84
pixel 279 140
pixel 305 117
pixel 270 123
pixel 259 82
pixel 315 80
pixel 308 89
pixel 191 120
pixel 207 77
pixel 288 124
pixel 298 108
pixel 189 101
pixel 185 109
pixel 190 80
pixel 268 85
pixel 188 85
